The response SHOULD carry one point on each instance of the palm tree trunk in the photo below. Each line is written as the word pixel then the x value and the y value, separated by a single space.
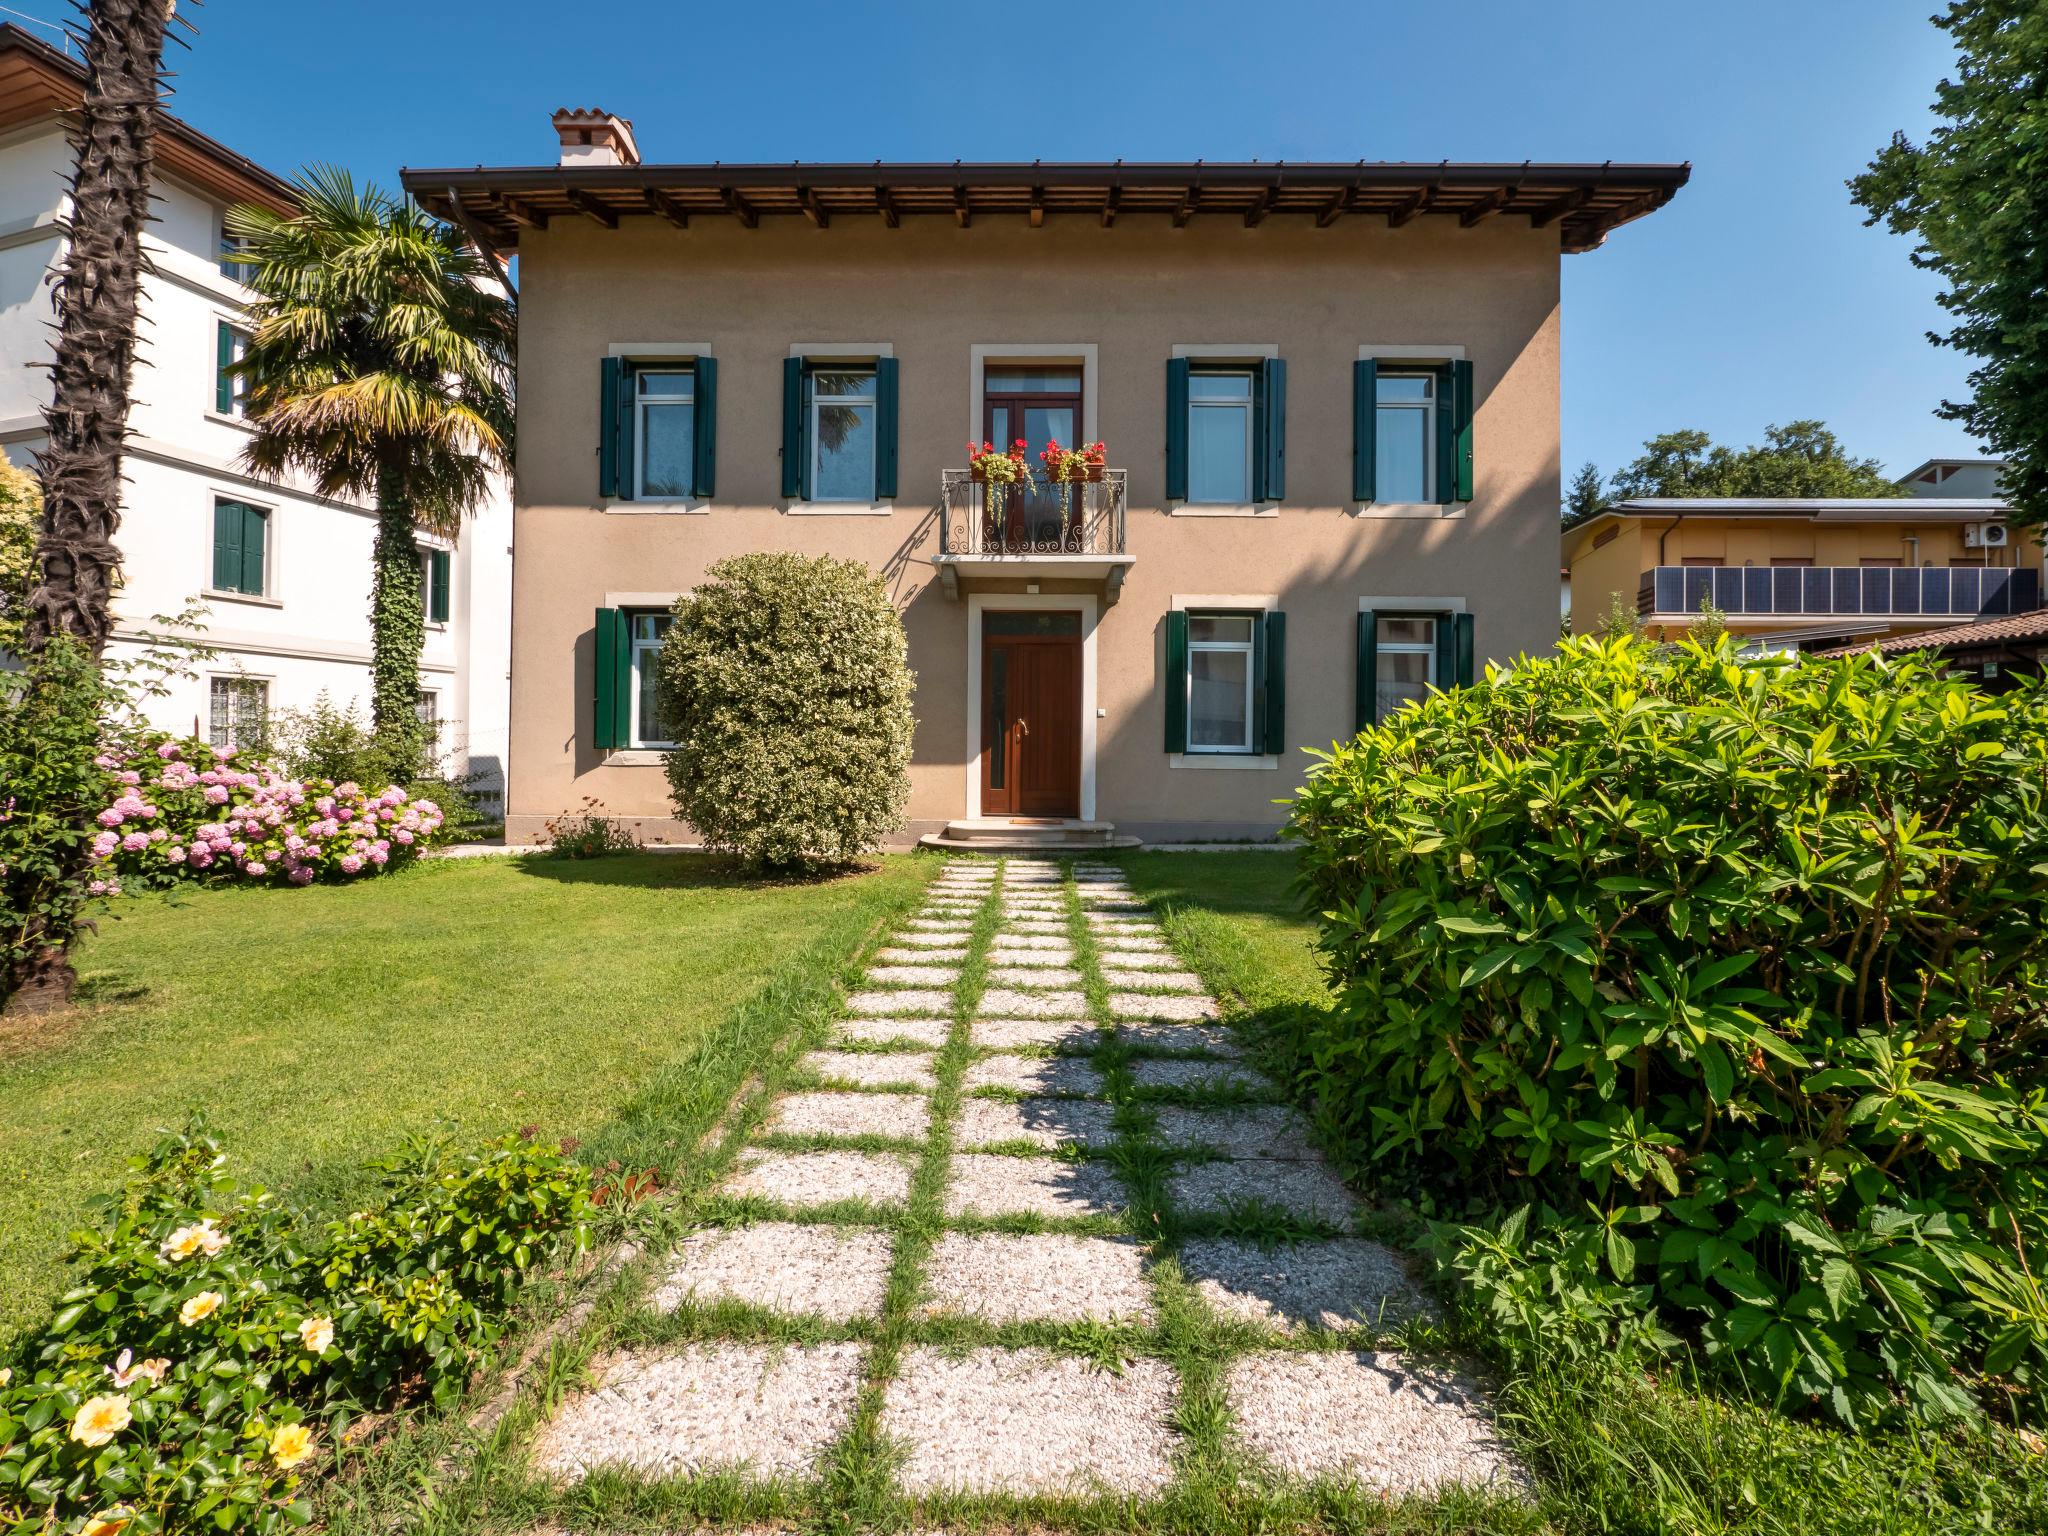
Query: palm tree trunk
pixel 98 295
pixel 398 629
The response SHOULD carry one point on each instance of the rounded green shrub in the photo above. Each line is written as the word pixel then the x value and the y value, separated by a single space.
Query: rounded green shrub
pixel 1735 973
pixel 783 682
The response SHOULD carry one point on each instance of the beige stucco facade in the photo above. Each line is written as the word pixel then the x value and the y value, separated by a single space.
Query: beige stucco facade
pixel 1117 301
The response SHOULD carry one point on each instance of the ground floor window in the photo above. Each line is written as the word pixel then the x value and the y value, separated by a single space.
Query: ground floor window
pixel 647 631
pixel 429 711
pixel 1406 658
pixel 1221 679
pixel 238 709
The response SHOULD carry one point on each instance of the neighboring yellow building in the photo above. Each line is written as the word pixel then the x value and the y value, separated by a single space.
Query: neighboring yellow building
pixel 1802 572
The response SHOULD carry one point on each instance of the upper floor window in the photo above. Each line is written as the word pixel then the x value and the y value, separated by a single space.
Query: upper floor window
pixel 647 630
pixel 231 248
pixel 842 433
pixel 1220 436
pixel 241 548
pixel 1404 430
pixel 665 433
pixel 230 389
pixel 435 571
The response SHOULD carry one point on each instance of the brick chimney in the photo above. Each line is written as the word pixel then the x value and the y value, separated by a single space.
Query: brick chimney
pixel 591 136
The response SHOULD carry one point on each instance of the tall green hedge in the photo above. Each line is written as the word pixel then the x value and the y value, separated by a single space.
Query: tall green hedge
pixel 783 682
pixel 1735 972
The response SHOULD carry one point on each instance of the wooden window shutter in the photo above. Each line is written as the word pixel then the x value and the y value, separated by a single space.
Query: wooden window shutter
pixel 1177 440
pixel 224 358
pixel 1446 433
pixel 1269 431
pixel 227 545
pixel 1465 649
pixel 1446 651
pixel 1177 675
pixel 1272 736
pixel 796 466
pixel 612 702
pixel 885 428
pixel 438 567
pixel 1366 687
pixel 611 373
pixel 704 456
pixel 1461 432
pixel 255 536
pixel 1365 400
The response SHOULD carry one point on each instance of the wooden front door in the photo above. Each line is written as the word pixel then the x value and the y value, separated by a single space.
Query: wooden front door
pixel 1031 714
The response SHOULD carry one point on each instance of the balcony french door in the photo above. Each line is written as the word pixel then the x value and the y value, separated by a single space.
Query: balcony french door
pixel 1037 405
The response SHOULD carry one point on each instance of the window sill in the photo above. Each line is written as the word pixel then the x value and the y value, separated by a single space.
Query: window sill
pixel 636 757
pixel 1223 760
pixel 1217 509
pixel 253 599
pixel 239 423
pixel 437 628
pixel 680 507
pixel 839 508
pixel 1428 509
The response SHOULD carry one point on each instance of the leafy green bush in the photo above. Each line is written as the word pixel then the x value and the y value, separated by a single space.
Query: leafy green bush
pixel 784 683
pixel 21 508
pixel 1740 968
pixel 214 1346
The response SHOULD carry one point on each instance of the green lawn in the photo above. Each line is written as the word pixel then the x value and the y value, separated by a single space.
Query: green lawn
pixel 320 1027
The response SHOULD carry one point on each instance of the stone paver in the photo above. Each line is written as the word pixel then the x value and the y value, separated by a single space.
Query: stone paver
pixel 1010 1003
pixel 1113 944
pixel 1033 976
pixel 1034 1075
pixel 1213 1038
pixel 1012 956
pixel 1043 1277
pixel 929 1033
pixel 930 942
pixel 1133 960
pixel 901 1000
pixel 1030 1422
pixel 901 1116
pixel 794 1268
pixel 874 1069
pixel 952 928
pixel 1167 1009
pixel 1372 1418
pixel 1211 1075
pixel 822 1178
pixel 1044 1122
pixel 1157 981
pixel 983 1184
pixel 771 1411
pixel 1050 943
pixel 1299 1189
pixel 1019 1034
pixel 1344 1282
pixel 1250 1130
pixel 944 955
pixel 913 975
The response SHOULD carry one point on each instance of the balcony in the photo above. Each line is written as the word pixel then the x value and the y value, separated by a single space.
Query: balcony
pixel 1889 594
pixel 1034 529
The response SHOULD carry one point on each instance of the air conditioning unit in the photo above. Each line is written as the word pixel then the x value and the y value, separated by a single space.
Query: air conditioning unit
pixel 1984 535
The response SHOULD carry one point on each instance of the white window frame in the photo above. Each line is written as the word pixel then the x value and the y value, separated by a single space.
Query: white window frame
pixel 1248 407
pixel 1400 356
pixel 660 355
pixel 1225 354
pixel 233 679
pixel 216 493
pixel 1427 409
pixel 1249 649
pixel 637 741
pixel 814 404
pixel 427 708
pixel 1405 648
pixel 852 357
pixel 643 407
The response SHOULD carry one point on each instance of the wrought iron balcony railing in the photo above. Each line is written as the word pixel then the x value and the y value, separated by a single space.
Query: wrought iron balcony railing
pixel 1033 517
pixel 1961 593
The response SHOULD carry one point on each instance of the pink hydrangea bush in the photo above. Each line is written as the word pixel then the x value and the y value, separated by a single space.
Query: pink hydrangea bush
pixel 183 810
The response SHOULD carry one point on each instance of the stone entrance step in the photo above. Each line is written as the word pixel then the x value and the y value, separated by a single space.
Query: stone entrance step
pixel 1026 834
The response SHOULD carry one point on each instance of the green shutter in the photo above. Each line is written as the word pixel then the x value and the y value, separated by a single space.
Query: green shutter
pixel 704 474
pixel 1366 686
pixel 612 666
pixel 1177 436
pixel 255 535
pixel 1461 432
pixel 1177 678
pixel 1365 421
pixel 1465 650
pixel 1274 671
pixel 1446 652
pixel 227 545
pixel 885 428
pixel 224 359
pixel 1269 431
pixel 795 465
pixel 437 586
pixel 1446 433
pixel 611 372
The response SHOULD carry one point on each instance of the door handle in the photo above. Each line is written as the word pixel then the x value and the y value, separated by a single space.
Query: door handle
pixel 1023 726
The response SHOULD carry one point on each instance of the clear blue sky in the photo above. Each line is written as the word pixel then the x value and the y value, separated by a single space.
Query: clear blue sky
pixel 1757 296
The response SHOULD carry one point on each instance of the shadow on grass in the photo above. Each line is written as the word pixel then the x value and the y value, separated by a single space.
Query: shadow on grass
pixel 680 871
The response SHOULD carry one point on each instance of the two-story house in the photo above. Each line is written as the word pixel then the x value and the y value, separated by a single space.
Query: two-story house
pixel 284 573
pixel 1329 395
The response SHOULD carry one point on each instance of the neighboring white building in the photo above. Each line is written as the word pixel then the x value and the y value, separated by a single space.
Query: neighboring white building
pixel 1971 479
pixel 285 573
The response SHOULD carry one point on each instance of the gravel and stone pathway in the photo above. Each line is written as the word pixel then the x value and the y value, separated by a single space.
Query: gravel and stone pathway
pixel 1026 1223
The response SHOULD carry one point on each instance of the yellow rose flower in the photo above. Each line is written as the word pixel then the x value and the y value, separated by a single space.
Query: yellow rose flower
pixel 292 1444
pixel 182 1244
pixel 316 1333
pixel 6 1375
pixel 199 1308
pixel 99 1420
pixel 156 1369
pixel 109 1523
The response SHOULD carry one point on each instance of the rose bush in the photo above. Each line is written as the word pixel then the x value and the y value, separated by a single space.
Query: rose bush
pixel 183 810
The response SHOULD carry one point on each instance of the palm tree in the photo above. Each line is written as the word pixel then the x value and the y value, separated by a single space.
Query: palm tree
pixel 379 365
